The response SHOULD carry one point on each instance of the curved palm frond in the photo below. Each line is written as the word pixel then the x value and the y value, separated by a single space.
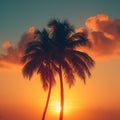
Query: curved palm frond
pixel 85 57
pixel 32 48
pixel 37 35
pixel 30 67
pixel 32 55
pixel 78 69
pixel 54 67
pixel 45 35
pixel 46 74
pixel 78 39
pixel 80 66
pixel 52 76
pixel 68 72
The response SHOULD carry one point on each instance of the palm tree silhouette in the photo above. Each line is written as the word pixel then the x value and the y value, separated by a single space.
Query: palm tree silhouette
pixel 37 58
pixel 55 52
pixel 68 59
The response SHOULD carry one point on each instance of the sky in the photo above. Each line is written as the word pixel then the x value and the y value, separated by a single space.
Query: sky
pixel 21 99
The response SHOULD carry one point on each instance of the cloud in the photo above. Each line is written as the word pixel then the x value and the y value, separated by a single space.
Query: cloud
pixel 6 44
pixel 31 29
pixel 26 37
pixel 13 53
pixel 104 34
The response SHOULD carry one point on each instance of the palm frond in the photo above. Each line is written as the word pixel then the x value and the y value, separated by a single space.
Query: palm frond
pixel 54 67
pixel 46 75
pixel 53 22
pixel 78 69
pixel 68 72
pixel 80 66
pixel 45 34
pixel 43 70
pixel 85 57
pixel 29 68
pixel 34 43
pixel 52 77
pixel 78 39
pixel 34 55
pixel 32 46
pixel 38 35
pixel 68 27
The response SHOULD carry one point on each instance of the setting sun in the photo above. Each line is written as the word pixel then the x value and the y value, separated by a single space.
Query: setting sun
pixel 55 107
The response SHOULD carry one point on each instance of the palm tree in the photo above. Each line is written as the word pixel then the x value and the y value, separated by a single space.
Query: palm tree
pixel 55 52
pixel 37 58
pixel 68 59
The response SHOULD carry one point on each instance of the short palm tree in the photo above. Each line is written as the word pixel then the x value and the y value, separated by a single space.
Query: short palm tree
pixel 68 59
pixel 37 58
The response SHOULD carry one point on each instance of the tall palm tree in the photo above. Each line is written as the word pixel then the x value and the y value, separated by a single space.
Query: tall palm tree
pixel 68 59
pixel 55 52
pixel 37 58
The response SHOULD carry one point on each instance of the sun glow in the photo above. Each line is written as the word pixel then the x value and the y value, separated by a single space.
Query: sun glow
pixel 55 107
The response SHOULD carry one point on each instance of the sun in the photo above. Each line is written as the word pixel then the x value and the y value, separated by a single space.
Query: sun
pixel 55 107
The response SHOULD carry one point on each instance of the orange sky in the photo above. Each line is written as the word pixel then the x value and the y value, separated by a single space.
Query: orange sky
pixel 24 99
pixel 99 99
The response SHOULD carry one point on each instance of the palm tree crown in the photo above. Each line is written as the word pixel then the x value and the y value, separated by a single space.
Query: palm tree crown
pixel 37 58
pixel 71 60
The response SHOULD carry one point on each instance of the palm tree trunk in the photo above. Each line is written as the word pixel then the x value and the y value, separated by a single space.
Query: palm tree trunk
pixel 61 94
pixel 47 102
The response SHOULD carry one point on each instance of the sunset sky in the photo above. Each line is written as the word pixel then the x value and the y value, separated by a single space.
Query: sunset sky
pixel 99 99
